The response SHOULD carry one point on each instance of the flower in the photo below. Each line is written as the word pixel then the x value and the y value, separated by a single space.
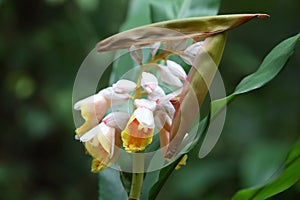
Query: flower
pixel 99 144
pixel 93 108
pixel 176 70
pixel 149 82
pixel 168 77
pixel 191 52
pixel 140 127
pixel 153 109
pixel 124 86
pixel 172 73
pixel 101 141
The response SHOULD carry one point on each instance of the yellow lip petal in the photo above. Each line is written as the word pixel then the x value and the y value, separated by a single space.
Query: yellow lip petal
pixel 136 138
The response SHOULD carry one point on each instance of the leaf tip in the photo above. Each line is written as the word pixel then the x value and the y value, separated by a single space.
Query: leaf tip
pixel 263 15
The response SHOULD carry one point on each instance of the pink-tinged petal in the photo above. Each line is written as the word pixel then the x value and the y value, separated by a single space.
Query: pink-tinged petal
pixel 144 117
pixel 124 86
pixel 106 137
pixel 154 48
pixel 167 77
pixel 136 54
pixel 116 120
pixel 171 95
pixel 176 69
pixel 191 52
pixel 156 94
pixel 90 134
pixel 92 110
pixel 114 98
pixel 167 107
pixel 89 100
pixel 149 82
pixel 145 103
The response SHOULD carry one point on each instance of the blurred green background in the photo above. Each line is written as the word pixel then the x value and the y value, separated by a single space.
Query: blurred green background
pixel 42 44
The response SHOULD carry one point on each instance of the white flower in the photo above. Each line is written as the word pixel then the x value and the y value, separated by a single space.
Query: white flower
pixel 124 86
pixel 116 120
pixel 149 82
pixel 100 142
pixel 176 69
pixel 156 94
pixel 191 52
pixel 93 108
pixel 145 103
pixel 168 77
pixel 113 97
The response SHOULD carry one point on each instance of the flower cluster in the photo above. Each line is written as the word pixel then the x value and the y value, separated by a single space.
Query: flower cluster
pixel 153 110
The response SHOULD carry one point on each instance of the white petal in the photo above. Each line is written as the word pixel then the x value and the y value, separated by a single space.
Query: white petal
pixel 194 48
pixel 176 69
pixel 168 108
pixel 124 86
pixel 156 94
pixel 167 77
pixel 149 82
pixel 113 97
pixel 191 52
pixel 136 54
pixel 90 134
pixel 116 120
pixel 171 95
pixel 106 137
pixel 145 103
pixel 154 48
pixel 145 117
pixel 89 100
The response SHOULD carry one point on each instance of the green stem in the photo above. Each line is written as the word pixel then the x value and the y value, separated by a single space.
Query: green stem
pixel 136 186
pixel 137 178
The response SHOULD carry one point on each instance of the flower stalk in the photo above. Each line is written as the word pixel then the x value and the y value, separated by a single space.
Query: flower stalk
pixel 138 177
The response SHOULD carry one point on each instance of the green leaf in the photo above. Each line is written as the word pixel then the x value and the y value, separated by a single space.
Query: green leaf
pixel 270 67
pixel 289 176
pixel 110 186
pixel 162 10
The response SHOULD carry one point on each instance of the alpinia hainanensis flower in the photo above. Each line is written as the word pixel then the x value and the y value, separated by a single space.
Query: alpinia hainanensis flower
pixel 149 82
pixel 140 128
pixel 93 108
pixel 153 109
pixel 191 52
pixel 101 141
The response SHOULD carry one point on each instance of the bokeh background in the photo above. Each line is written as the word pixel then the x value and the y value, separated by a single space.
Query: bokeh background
pixel 42 44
